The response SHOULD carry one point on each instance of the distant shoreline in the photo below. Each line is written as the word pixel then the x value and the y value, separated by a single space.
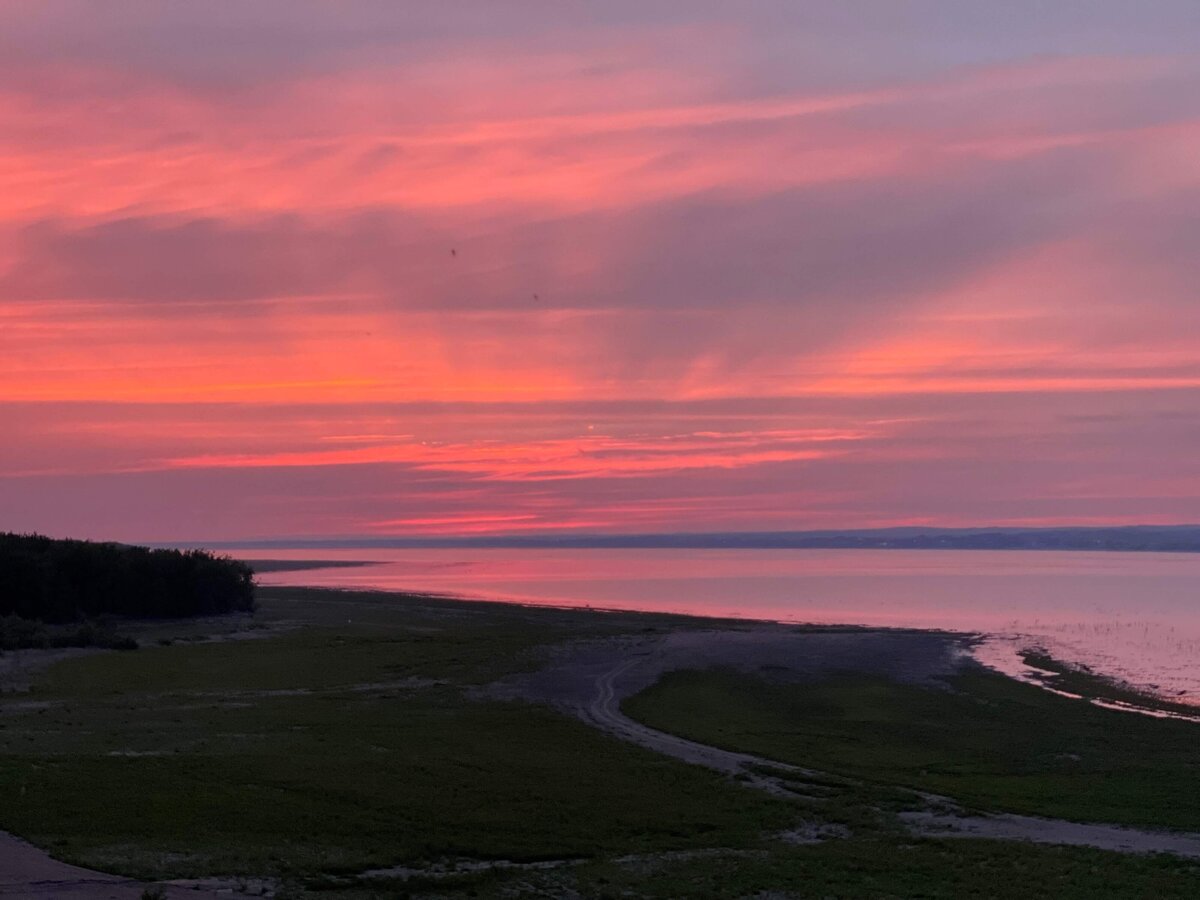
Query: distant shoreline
pixel 1118 539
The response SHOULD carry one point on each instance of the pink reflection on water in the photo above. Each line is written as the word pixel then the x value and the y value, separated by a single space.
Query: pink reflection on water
pixel 1135 616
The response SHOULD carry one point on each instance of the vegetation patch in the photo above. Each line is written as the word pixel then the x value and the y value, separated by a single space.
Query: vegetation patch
pixel 987 741
pixel 17 633
pixel 319 753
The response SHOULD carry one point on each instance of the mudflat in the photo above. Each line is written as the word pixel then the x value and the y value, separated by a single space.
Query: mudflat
pixel 27 871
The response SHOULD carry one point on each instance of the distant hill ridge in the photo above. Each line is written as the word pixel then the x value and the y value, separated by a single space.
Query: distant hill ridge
pixel 1129 538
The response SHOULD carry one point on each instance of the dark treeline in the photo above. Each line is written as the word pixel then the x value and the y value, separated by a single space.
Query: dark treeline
pixel 60 581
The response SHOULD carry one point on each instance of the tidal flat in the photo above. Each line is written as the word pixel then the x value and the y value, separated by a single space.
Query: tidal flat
pixel 363 744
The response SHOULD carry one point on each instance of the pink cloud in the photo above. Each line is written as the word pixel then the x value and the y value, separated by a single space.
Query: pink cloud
pixel 446 272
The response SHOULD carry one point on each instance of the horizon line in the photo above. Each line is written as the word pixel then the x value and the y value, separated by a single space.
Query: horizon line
pixel 816 538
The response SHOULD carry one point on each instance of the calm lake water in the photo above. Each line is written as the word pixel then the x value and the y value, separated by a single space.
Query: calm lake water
pixel 1132 615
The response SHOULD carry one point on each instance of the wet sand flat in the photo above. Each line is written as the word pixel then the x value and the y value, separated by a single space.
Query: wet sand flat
pixel 26 871
pixel 568 679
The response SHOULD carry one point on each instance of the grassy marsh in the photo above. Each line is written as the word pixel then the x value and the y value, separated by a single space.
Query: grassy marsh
pixel 985 740
pixel 341 732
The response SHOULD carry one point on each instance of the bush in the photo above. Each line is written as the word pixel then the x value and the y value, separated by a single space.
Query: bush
pixel 27 634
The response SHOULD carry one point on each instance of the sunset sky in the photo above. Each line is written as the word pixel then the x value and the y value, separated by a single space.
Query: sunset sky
pixel 298 268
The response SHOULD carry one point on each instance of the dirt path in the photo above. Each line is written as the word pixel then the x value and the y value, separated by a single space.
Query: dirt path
pixel 26 871
pixel 591 679
pixel 1054 831
pixel 604 711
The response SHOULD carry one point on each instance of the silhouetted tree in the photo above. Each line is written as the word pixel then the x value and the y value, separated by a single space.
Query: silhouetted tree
pixel 65 580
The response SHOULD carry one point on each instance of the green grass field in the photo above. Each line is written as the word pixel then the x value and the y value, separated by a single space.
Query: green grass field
pixel 339 748
pixel 347 736
pixel 985 740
